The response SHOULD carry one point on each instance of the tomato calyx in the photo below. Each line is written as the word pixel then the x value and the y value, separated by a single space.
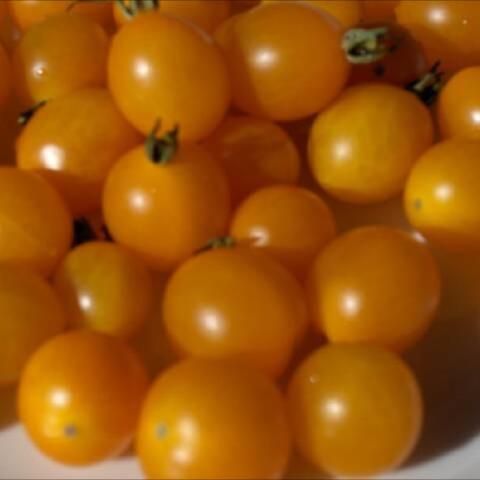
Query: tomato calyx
pixel 162 150
pixel 25 116
pixel 130 10
pixel 428 87
pixel 217 242
pixel 367 45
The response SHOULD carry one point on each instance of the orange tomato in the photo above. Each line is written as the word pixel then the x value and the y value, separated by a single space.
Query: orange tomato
pixel 441 195
pixel 212 419
pixel 187 85
pixel 235 302
pixel 348 13
pixel 448 30
pixel 355 410
pixel 30 12
pixel 458 108
pixel 63 53
pixel 5 81
pixel 379 9
pixel 240 6
pixel 362 152
pixel 73 142
pixel 80 396
pixel 30 314
pixel 9 32
pixel 36 228
pixel 166 210
pixel 289 223
pixel 375 285
pixel 3 10
pixel 255 153
pixel 284 77
pixel 206 14
pixel 105 288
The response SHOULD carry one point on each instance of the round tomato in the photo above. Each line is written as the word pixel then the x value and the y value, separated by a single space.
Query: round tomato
pixel 402 58
pixel 5 81
pixel 59 55
pixel 30 314
pixel 360 151
pixel 347 12
pixel 235 302
pixel 211 419
pixel 448 30
pixel 270 71
pixel 176 73
pixel 255 153
pixel 355 410
pixel 379 9
pixel 165 209
pixel 289 223
pixel 73 141
pixel 26 13
pixel 375 285
pixel 441 195
pixel 104 287
pixel 80 396
pixel 458 109
pixel 36 227
pixel 206 14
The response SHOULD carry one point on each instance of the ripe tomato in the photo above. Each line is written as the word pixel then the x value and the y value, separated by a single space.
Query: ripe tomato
pixel 165 210
pixel 80 396
pixel 74 141
pixel 36 227
pixel 375 285
pixel 289 223
pixel 26 13
pixel 255 153
pixel 355 410
pixel 30 314
pixel 379 9
pixel 458 109
pixel 186 85
pixel 268 70
pixel 206 14
pixel 213 419
pixel 5 81
pixel 441 195
pixel 235 302
pixel 347 12
pixel 448 30
pixel 63 53
pixel 104 287
pixel 360 151
pixel 403 62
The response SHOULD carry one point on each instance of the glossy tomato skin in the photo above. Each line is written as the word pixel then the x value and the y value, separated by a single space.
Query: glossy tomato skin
pixel 355 410
pixel 448 30
pixel 73 142
pixel 186 84
pixel 441 195
pixel 30 314
pixel 36 229
pixel 362 148
pixel 165 212
pixel 213 419
pixel 375 285
pixel 270 75
pixel 104 287
pixel 235 302
pixel 5 80
pixel 373 10
pixel 289 223
pixel 63 53
pixel 80 396
pixel 255 153
pixel 26 13
pixel 458 107
pixel 206 14
pixel 403 64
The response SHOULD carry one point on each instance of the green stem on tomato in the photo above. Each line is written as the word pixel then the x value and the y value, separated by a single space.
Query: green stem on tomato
pixel 162 150
pixel 428 87
pixel 217 242
pixel 366 45
pixel 25 116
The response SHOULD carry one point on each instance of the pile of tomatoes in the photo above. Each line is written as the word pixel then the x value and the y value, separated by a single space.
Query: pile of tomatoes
pixel 171 266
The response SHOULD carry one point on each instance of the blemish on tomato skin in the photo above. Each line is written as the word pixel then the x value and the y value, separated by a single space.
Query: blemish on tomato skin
pixel 161 431
pixel 70 431
pixel 417 204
